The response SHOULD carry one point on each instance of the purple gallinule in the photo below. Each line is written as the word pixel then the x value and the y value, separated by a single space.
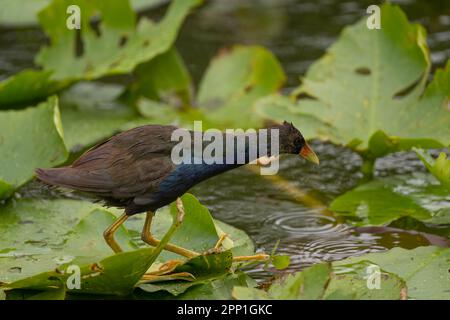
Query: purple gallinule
pixel 134 170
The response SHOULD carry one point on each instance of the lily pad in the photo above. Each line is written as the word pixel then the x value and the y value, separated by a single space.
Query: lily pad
pixel 56 294
pixel 91 112
pixel 424 269
pixel 164 78
pixel 122 46
pixel 234 81
pixel 320 282
pixel 24 13
pixel 75 238
pixel 116 275
pixel 29 139
pixel 75 231
pixel 372 81
pixel 384 200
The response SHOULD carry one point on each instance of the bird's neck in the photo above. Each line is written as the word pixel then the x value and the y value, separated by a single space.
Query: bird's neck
pixel 232 152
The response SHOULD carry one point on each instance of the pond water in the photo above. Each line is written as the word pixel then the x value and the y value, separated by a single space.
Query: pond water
pixel 298 32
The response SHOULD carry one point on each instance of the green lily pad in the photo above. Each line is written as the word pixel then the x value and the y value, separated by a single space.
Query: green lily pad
pixel 56 294
pixel 308 284
pixel 234 81
pixel 424 269
pixel 122 46
pixel 24 13
pixel 91 112
pixel 75 238
pixel 372 81
pixel 75 232
pixel 114 275
pixel 384 200
pixel 319 282
pixel 440 168
pixel 164 78
pixel 355 283
pixel 38 85
pixel 29 139
pixel 107 54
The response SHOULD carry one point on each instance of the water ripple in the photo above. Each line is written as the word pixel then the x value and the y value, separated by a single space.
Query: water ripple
pixel 303 223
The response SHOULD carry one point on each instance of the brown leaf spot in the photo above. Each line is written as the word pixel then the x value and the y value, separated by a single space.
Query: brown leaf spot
pixel 363 71
pixel 95 267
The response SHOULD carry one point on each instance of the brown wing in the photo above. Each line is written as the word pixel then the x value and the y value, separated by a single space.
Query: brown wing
pixel 128 164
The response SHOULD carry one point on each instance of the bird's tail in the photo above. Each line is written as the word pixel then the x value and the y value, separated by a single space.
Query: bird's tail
pixel 73 178
pixel 60 177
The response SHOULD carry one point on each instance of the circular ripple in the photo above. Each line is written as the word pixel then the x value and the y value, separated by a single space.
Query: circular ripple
pixel 303 223
pixel 306 251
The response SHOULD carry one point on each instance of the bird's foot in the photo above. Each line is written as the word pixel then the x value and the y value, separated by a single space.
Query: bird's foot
pixel 186 276
pixel 164 273
pixel 166 268
pixel 218 248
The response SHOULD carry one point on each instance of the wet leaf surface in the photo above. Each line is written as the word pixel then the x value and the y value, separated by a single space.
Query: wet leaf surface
pixel 29 139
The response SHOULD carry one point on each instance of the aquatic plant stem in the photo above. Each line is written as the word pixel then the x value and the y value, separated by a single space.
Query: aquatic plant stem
pixel 367 169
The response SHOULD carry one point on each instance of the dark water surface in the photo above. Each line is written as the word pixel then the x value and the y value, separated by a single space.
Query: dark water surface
pixel 298 32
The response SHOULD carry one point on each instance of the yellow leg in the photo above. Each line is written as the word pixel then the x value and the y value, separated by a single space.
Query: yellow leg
pixel 148 238
pixel 109 233
pixel 256 257
pixel 220 241
pixel 173 276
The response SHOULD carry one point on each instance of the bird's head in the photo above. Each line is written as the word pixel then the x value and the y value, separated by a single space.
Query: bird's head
pixel 292 141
